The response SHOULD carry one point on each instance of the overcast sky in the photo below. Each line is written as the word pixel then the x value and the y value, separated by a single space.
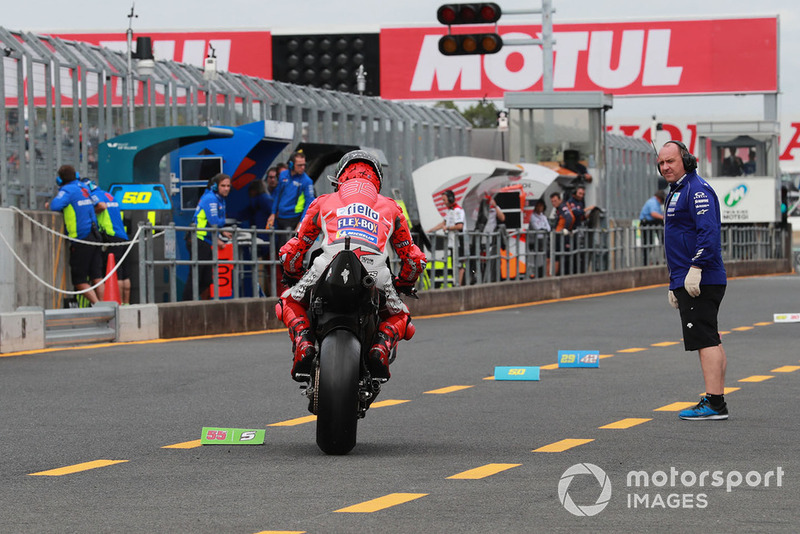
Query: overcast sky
pixel 41 16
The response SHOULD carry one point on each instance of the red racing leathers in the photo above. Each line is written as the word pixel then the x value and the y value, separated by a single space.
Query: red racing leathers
pixel 372 222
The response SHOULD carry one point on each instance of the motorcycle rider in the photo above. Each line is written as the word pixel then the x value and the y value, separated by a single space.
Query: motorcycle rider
pixel 372 221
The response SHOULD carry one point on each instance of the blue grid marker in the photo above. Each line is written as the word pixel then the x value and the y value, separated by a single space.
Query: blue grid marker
pixel 516 373
pixel 579 358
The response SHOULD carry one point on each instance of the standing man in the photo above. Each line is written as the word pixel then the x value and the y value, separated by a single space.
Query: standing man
pixel 272 181
pixel 564 223
pixel 292 196
pixel 85 259
pixel 650 219
pixel 697 278
pixel 455 224
pixel 210 211
pixel 112 229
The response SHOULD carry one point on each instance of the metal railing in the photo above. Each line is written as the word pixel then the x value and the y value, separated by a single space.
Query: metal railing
pixel 253 269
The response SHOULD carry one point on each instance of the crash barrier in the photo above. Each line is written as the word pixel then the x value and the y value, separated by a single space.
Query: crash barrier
pixel 33 328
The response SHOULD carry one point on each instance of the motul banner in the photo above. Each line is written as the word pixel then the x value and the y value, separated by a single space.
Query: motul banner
pixel 621 58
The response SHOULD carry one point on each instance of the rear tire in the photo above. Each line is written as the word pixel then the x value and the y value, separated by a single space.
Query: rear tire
pixel 337 392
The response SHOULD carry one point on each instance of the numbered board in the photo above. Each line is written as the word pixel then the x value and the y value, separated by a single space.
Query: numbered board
pixel 232 436
pixel 516 373
pixel 786 317
pixel 578 358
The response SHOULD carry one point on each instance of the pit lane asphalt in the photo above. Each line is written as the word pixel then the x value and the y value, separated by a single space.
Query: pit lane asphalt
pixel 127 402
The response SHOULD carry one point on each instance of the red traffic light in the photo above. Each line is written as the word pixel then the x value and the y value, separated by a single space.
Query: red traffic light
pixel 472 43
pixel 480 13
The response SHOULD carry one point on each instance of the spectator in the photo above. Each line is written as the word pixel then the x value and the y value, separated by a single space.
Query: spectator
pixel 697 278
pixel 256 214
pixel 579 237
pixel 455 224
pixel 85 259
pixel 651 219
pixel 750 166
pixel 565 222
pixel 210 211
pixel 272 181
pixel 112 229
pixel 489 218
pixel 540 240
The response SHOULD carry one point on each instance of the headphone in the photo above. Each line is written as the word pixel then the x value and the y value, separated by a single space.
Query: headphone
pixel 59 181
pixel 215 181
pixel 293 156
pixel 689 161
pixel 451 197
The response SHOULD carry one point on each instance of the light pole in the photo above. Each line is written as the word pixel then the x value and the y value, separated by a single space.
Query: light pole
pixel 129 79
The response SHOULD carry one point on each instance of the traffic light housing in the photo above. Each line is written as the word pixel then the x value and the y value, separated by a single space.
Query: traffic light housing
pixel 469 43
pixel 472 13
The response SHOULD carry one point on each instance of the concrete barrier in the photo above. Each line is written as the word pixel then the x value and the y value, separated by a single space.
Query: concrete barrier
pixel 22 330
pixel 184 319
pixel 137 323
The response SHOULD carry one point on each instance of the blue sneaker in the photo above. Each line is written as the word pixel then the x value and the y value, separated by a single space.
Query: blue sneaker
pixel 704 412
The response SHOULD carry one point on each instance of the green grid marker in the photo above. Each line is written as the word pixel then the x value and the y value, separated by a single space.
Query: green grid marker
pixel 232 436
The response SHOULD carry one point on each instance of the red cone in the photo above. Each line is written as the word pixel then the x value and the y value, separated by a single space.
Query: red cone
pixel 112 284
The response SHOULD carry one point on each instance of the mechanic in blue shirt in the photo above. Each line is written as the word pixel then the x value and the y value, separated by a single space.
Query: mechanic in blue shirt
pixel 210 211
pixel 291 198
pixel 85 259
pixel 697 278
pixel 112 230
pixel 650 219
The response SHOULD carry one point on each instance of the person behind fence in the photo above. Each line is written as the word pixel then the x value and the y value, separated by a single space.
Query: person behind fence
pixel 271 180
pixel 256 214
pixel 455 224
pixel 697 278
pixel 112 229
pixel 488 221
pixel 564 223
pixel 210 211
pixel 539 243
pixel 651 219
pixel 292 197
pixel 85 259
pixel 357 211
pixel 581 214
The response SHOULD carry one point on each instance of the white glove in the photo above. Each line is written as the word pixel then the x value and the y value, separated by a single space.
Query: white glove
pixel 692 281
pixel 672 300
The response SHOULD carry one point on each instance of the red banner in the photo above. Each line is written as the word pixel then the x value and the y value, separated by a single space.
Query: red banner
pixel 622 58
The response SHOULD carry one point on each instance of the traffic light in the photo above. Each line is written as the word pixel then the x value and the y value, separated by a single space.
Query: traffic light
pixel 328 61
pixel 483 13
pixel 472 43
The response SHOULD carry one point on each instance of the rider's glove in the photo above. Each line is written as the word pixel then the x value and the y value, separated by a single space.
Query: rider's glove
pixel 692 281
pixel 290 279
pixel 404 287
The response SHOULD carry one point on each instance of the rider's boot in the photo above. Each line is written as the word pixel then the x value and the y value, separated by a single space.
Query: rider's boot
pixel 295 317
pixel 390 331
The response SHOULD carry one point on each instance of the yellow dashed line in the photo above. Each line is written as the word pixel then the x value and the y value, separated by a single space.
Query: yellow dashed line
pixel 626 423
pixel 756 378
pixel 77 468
pixel 742 328
pixel 724 391
pixel 448 389
pixel 387 501
pixel 549 366
pixel 296 421
pixel 634 349
pixel 665 344
pixel 786 369
pixel 563 445
pixel 184 445
pixel 388 402
pixel 483 471
pixel 675 406
pixel 765 323
pixel 724 333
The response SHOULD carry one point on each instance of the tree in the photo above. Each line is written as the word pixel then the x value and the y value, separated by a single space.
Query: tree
pixel 483 114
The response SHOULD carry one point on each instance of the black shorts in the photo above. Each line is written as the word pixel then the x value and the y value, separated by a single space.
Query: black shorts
pixel 699 316
pixel 118 251
pixel 85 261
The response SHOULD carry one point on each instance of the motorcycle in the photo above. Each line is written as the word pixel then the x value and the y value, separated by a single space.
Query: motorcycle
pixel 344 312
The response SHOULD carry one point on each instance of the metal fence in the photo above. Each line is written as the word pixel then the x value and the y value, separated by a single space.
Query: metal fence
pixel 502 256
pixel 60 99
